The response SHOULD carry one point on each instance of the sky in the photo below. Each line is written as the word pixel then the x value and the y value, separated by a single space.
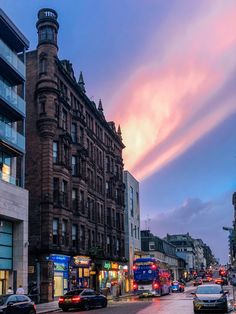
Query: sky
pixel 166 72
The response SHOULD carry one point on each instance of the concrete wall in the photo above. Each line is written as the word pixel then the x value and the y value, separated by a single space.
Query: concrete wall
pixel 14 207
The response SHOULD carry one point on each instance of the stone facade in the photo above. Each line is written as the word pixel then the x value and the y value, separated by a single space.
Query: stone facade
pixel 74 172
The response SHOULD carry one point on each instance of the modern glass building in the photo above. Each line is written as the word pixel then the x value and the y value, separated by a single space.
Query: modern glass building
pixel 13 196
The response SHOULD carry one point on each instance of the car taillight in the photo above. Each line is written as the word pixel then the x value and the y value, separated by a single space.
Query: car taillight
pixel 135 286
pixel 76 299
pixel 134 267
pixel 154 267
pixel 61 299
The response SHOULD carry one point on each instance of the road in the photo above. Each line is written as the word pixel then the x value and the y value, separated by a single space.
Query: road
pixel 176 303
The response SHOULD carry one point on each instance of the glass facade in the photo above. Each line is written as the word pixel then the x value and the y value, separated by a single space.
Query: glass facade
pixel 10 57
pixel 6 238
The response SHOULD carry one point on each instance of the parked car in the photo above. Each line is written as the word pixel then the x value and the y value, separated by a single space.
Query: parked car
pixel 210 298
pixel 197 281
pixel 82 299
pixel 177 286
pixel 16 304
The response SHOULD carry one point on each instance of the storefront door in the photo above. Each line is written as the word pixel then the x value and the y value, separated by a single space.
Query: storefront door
pixel 58 284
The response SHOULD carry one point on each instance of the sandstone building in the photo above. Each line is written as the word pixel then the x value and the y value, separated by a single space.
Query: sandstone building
pixel 74 176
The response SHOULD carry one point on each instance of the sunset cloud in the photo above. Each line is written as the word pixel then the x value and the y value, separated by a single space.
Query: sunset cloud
pixel 167 104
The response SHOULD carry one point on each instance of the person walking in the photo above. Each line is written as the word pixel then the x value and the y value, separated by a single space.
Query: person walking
pixel 20 290
pixel 9 290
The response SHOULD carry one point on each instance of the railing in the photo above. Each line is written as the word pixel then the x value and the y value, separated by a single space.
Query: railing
pixel 12 58
pixel 11 97
pixel 11 136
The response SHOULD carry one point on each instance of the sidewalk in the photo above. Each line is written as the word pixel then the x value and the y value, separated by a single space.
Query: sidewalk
pixel 53 306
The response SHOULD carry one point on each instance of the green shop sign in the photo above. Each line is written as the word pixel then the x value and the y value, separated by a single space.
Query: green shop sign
pixel 107 265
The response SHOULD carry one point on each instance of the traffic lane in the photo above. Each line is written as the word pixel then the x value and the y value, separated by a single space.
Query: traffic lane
pixel 170 304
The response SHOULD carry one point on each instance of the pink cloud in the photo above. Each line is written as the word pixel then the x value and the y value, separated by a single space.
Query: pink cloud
pixel 164 97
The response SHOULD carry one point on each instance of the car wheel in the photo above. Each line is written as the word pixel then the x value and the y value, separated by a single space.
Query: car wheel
pixel 86 306
pixel 64 309
pixel 32 312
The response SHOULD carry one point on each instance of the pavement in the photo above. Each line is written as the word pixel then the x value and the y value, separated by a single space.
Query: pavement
pixel 53 306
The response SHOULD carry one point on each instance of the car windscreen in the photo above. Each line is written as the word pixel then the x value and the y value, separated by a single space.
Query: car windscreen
pixel 74 292
pixel 209 290
pixel 3 299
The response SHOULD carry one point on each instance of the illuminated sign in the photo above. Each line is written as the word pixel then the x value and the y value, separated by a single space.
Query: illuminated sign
pixel 81 261
pixel 114 265
pixel 107 265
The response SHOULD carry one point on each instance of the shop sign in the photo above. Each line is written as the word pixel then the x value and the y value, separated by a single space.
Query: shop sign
pixel 81 261
pixel 114 265
pixel 59 258
pixel 107 265
pixel 60 266
pixel 92 272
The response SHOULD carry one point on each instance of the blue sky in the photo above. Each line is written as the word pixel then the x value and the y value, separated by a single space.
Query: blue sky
pixel 165 71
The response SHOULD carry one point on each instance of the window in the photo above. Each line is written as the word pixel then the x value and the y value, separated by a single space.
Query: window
pixel 81 139
pixel 132 230
pixel 55 152
pixel 64 120
pixel 74 132
pixel 109 216
pixel 63 232
pixel 56 190
pixel 138 232
pixel 108 245
pixel 42 65
pixel 74 234
pixel 82 237
pixel 46 33
pixel 65 155
pixel 64 193
pixel 55 231
pixel 151 246
pixel 131 195
pixel 74 166
pixel 74 198
pixel 81 200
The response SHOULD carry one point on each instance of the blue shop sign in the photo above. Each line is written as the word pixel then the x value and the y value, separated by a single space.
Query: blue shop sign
pixel 59 258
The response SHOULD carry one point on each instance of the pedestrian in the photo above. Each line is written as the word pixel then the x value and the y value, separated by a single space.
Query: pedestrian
pixel 9 290
pixel 20 290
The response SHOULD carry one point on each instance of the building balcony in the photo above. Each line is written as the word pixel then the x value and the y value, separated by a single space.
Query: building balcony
pixel 10 137
pixel 11 102
pixel 11 65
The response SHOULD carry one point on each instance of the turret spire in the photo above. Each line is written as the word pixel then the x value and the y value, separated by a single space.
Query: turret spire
pixel 81 82
pixel 119 132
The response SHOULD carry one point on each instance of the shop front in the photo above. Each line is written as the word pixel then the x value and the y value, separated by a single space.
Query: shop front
pixel 61 273
pixel 6 254
pixel 80 272
pixel 113 274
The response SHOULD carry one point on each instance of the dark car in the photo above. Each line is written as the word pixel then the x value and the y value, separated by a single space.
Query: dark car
pixel 82 299
pixel 197 281
pixel 221 281
pixel 210 298
pixel 16 304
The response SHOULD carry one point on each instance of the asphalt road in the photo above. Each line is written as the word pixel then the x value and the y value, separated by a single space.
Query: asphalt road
pixel 176 303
